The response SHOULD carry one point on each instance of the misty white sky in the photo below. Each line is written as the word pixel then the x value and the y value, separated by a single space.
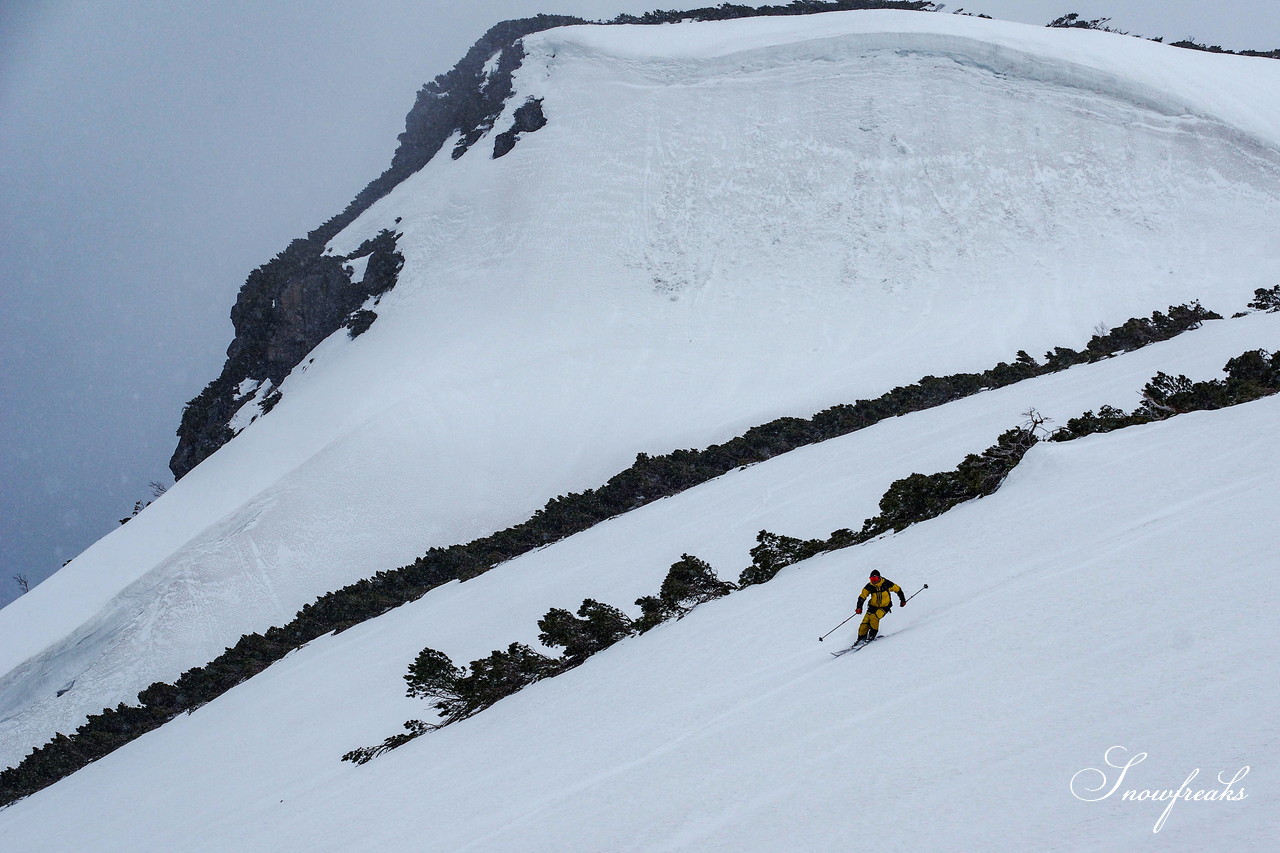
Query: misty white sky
pixel 152 153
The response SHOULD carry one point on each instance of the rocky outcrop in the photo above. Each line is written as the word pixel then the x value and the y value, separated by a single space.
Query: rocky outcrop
pixel 301 296
pixel 466 100
pixel 528 118
pixel 285 308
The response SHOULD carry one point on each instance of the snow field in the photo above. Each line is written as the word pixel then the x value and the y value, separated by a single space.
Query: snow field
pixel 1066 613
pixel 750 221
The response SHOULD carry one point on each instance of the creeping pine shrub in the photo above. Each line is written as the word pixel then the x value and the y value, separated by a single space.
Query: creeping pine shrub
pixel 1167 395
pixel 501 674
pixel 774 552
pixel 689 582
pixel 457 693
pixel 1074 21
pixel 923 496
pixel 1253 374
pixel 1137 332
pixel 914 498
pixel 1107 419
pixel 432 675
pixel 1250 376
pixel 600 626
pixel 653 612
pixel 1266 299
pixel 412 729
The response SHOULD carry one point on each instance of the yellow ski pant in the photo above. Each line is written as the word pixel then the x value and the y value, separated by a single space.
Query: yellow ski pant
pixel 871 622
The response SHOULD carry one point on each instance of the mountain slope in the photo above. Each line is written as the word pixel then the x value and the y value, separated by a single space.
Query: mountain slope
pixel 719 224
pixel 1065 615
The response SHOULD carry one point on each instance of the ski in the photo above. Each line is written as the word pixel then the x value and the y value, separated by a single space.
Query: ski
pixel 856 647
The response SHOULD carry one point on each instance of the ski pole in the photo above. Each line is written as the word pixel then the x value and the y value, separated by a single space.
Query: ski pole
pixel 917 592
pixel 833 630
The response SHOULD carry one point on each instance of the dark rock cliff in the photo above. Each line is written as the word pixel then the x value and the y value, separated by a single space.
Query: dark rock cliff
pixel 286 307
pixel 301 296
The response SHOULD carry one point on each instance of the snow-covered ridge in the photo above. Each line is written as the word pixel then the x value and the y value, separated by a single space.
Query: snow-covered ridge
pixel 1240 91
pixel 677 256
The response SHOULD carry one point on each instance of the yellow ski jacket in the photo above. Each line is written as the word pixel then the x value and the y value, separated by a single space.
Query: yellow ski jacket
pixel 880 595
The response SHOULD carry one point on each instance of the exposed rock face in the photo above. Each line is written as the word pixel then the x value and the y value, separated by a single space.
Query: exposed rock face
pixel 467 100
pixel 301 296
pixel 528 118
pixel 285 308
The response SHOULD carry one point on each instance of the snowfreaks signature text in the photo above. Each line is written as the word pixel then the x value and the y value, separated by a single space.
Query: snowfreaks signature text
pixel 1081 790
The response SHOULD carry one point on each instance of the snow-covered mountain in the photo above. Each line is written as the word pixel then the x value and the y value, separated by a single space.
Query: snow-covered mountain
pixel 719 224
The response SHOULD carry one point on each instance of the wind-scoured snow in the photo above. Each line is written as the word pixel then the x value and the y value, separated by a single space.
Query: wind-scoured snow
pixel 720 224
pixel 1115 591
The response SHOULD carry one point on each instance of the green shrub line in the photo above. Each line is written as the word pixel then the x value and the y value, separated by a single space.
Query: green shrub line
pixel 649 479
pixel 1250 376
pixel 1074 21
pixel 458 693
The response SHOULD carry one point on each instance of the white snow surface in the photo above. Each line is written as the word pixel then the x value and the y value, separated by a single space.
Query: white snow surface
pixel 359 266
pixel 1116 591
pixel 720 224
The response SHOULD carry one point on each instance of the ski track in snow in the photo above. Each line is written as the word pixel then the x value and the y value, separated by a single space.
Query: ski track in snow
pixel 720 224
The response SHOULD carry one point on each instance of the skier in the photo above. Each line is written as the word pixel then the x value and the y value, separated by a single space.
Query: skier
pixel 878 593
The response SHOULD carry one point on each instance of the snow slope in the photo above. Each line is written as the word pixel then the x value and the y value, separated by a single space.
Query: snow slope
pixel 1117 590
pixel 720 224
